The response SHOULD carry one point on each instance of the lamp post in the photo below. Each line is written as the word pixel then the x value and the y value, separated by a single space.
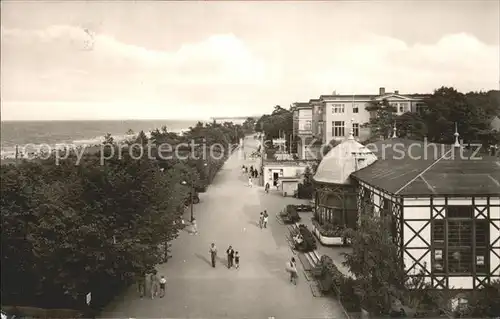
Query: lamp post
pixel 191 197
pixel 192 194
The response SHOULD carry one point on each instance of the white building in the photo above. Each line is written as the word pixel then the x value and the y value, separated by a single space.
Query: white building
pixel 444 205
pixel 340 110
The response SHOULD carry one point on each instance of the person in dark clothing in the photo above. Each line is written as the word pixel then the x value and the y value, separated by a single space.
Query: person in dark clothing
pixel 237 260
pixel 213 253
pixel 230 257
pixel 267 188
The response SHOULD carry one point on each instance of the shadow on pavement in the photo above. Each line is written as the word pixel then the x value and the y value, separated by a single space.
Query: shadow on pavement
pixel 203 258
pixel 275 265
pixel 221 260
pixel 254 223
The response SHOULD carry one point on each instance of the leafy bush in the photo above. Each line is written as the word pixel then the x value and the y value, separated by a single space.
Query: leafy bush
pixel 348 296
pixel 344 287
pixel 484 302
pixel 328 230
pixel 292 216
pixel 305 191
pixel 309 243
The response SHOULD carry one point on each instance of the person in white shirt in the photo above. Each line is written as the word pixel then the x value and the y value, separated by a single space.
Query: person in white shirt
pixel 250 182
pixel 292 269
pixel 163 283
pixel 194 231
pixel 266 218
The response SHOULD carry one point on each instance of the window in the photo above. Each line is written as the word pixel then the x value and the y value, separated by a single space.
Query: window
pixel 355 108
pixel 355 129
pixel 403 107
pixel 338 108
pixel 420 108
pixel 367 203
pixel 338 128
pixel 320 128
pixel 308 125
pixel 460 242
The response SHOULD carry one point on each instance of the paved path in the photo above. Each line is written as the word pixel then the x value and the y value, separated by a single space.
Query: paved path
pixel 260 289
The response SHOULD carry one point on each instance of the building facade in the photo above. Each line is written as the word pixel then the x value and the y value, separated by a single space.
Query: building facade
pixel 341 110
pixel 331 116
pixel 442 202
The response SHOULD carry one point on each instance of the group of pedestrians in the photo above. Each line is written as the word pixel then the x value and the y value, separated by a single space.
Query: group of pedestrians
pixel 252 173
pixel 233 257
pixel 157 285
pixel 263 219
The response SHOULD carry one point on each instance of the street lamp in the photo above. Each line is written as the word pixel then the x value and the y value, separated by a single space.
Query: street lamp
pixel 192 194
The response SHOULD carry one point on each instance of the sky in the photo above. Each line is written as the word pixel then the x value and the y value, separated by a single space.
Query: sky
pixel 196 59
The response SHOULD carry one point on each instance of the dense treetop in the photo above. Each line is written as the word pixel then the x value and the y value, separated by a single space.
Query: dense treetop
pixel 81 227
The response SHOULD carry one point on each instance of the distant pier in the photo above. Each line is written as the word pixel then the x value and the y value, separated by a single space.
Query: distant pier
pixel 234 119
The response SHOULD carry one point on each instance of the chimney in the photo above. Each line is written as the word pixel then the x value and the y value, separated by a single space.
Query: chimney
pixel 381 91
pixel 396 92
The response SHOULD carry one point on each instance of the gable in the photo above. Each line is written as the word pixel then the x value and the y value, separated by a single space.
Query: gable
pixel 393 97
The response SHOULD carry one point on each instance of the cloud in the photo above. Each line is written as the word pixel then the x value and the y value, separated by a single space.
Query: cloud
pixel 457 59
pixel 220 58
pixel 225 74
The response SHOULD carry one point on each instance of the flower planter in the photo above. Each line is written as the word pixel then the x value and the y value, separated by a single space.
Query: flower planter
pixel 327 241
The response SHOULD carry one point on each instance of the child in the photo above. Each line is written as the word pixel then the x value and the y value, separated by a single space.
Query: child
pixel 261 219
pixel 194 231
pixel 163 282
pixel 266 216
pixel 237 260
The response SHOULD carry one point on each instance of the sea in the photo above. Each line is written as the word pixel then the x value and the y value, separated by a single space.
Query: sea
pixel 37 135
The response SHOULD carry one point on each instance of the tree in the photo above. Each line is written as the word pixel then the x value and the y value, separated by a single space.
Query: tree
pixel 412 126
pixel 142 138
pixel 130 132
pixel 379 271
pixel 249 125
pixel 382 118
pixel 108 139
pixel 278 124
pixel 447 107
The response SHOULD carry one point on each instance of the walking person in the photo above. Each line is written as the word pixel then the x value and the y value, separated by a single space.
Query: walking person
pixel 261 219
pixel 250 182
pixel 194 225
pixel 154 284
pixel 292 269
pixel 213 254
pixel 266 216
pixel 237 260
pixel 141 284
pixel 266 188
pixel 230 257
pixel 163 283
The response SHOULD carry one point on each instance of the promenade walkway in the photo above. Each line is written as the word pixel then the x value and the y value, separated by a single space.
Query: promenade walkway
pixel 260 289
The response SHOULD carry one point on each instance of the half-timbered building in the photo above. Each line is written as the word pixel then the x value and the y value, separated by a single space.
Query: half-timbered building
pixel 443 200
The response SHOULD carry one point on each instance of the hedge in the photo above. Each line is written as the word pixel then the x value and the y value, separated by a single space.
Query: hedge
pixel 309 243
pixel 342 286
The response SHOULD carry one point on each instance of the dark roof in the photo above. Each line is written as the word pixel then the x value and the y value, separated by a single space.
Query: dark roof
pixel 407 167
